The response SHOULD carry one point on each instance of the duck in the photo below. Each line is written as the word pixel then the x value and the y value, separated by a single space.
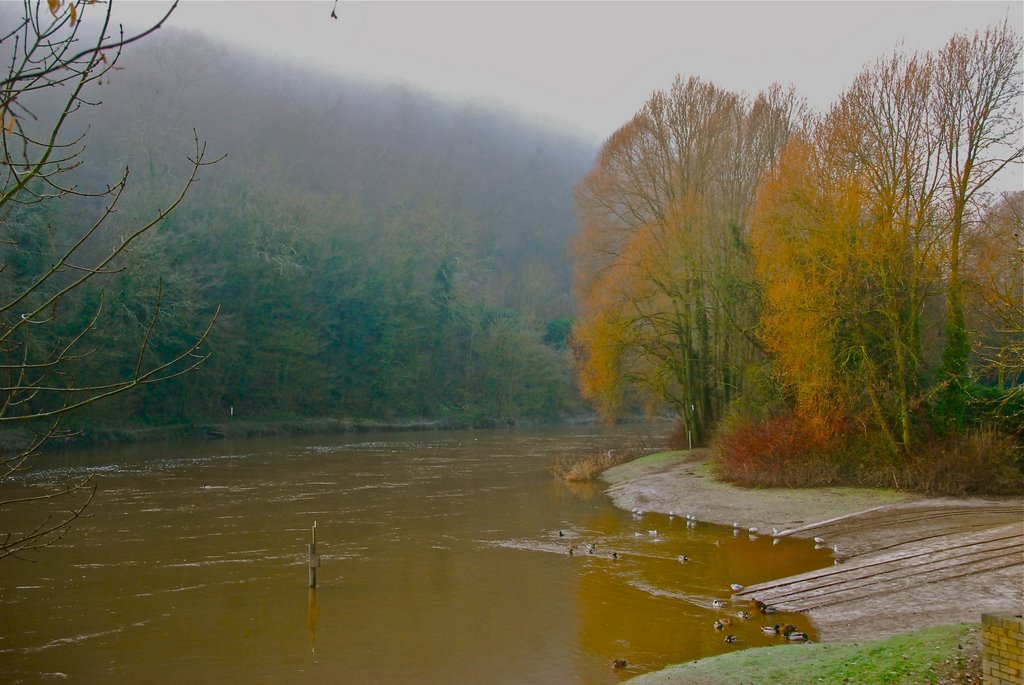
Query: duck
pixel 736 587
pixel 770 630
pixel 729 639
pixel 615 555
pixel 719 625
pixel 619 663
pixel 591 547
pixel 653 533
pixel 743 615
pixel 819 540
pixel 717 603
pixel 797 636
pixel 572 549
pixel 788 628
pixel 683 558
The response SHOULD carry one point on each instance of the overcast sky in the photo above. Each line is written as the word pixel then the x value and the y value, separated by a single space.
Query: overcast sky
pixel 584 65
pixel 589 65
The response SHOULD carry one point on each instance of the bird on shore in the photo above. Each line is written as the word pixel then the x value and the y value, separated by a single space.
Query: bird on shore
pixel 819 540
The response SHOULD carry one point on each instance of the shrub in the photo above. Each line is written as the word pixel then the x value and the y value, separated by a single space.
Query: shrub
pixel 980 461
pixel 783 451
pixel 791 451
pixel 575 469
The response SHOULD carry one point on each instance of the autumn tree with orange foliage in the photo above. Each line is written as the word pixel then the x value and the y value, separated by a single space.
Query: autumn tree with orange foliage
pixel 859 229
pixel 662 265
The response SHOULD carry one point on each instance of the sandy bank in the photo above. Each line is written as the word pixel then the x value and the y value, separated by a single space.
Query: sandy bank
pixel 907 562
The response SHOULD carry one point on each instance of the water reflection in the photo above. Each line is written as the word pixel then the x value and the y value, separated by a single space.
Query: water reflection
pixel 442 561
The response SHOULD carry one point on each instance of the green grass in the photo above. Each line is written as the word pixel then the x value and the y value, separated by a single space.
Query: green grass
pixel 932 655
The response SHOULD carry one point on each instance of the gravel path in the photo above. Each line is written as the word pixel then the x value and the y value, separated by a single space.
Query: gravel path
pixel 906 562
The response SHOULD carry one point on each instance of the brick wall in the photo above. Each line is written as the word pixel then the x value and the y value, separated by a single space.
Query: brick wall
pixel 1002 638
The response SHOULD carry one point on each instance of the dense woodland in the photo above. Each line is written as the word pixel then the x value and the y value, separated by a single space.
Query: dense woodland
pixel 374 252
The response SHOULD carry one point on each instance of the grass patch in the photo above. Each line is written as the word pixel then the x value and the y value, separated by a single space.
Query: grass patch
pixel 940 655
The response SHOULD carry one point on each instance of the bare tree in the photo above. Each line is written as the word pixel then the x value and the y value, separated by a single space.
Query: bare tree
pixel 56 53
pixel 977 109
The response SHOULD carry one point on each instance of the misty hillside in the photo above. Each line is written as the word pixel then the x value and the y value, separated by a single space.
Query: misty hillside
pixel 381 146
pixel 375 251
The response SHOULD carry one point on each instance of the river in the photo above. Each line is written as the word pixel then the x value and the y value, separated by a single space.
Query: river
pixel 445 559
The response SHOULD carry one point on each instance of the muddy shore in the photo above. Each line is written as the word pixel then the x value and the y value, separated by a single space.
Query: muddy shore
pixel 905 562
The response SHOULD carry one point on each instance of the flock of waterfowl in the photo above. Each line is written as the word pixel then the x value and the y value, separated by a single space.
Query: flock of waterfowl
pixel 787 631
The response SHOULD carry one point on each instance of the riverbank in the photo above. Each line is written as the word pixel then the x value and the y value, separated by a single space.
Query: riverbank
pixel 13 440
pixel 907 562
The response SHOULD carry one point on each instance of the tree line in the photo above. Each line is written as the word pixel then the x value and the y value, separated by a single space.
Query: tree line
pixel 745 259
pixel 373 252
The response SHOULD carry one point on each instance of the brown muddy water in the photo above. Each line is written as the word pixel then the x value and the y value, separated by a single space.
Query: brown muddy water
pixel 445 560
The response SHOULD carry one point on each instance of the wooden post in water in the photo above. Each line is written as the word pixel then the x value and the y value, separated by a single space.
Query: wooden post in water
pixel 314 559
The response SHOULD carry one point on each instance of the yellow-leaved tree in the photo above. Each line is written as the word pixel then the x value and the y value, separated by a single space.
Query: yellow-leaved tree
pixel 668 303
